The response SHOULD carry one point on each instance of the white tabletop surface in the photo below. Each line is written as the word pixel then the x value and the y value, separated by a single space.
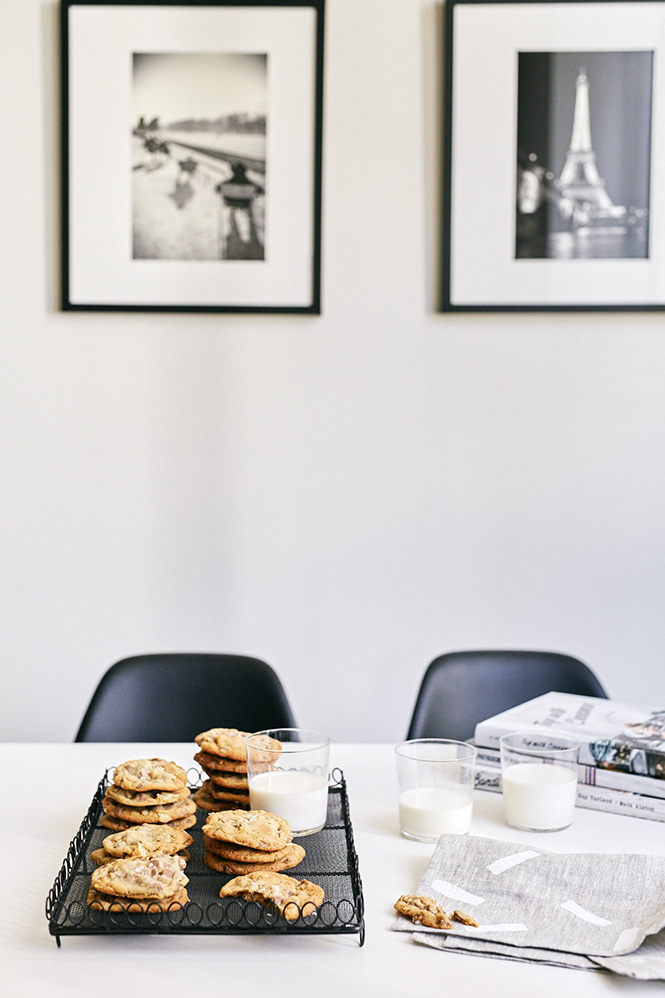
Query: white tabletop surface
pixel 48 789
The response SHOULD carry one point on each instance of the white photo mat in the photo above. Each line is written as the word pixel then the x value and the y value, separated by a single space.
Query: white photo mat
pixel 486 41
pixel 100 269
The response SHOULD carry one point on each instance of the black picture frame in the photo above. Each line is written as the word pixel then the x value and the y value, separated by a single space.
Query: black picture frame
pixel 192 155
pixel 553 159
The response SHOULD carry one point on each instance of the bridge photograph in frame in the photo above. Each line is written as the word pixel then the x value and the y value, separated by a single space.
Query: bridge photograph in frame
pixel 553 158
pixel 202 149
pixel 191 155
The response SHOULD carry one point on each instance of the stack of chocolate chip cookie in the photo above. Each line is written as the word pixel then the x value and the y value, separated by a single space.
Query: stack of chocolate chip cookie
pixel 240 842
pixel 223 756
pixel 141 842
pixel 154 883
pixel 148 791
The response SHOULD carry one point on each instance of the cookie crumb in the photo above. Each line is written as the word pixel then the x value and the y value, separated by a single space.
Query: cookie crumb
pixel 423 911
pixel 459 916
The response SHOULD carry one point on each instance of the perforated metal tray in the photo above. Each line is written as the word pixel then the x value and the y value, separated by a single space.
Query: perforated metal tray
pixel 331 861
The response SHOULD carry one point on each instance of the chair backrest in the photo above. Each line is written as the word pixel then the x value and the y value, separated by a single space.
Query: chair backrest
pixel 461 688
pixel 172 697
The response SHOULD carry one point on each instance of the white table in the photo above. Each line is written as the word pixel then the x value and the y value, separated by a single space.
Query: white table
pixel 48 789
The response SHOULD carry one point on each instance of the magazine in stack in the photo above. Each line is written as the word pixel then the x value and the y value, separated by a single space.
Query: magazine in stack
pixel 621 762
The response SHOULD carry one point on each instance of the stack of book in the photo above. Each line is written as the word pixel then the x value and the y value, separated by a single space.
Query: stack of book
pixel 621 762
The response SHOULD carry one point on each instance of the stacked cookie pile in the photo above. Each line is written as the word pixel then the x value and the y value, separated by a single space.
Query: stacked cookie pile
pixel 141 866
pixel 141 842
pixel 223 757
pixel 148 791
pixel 246 842
pixel 152 883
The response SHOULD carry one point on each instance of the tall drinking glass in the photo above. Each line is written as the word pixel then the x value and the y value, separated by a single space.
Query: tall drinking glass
pixel 435 785
pixel 539 779
pixel 291 780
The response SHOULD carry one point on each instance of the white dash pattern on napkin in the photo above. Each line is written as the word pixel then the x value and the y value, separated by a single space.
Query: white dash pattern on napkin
pixel 508 862
pixel 576 909
pixel 455 892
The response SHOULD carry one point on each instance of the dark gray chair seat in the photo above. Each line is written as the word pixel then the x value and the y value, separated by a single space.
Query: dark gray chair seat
pixel 459 689
pixel 172 697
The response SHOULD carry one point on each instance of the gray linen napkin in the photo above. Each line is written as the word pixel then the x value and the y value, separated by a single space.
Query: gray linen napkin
pixel 583 910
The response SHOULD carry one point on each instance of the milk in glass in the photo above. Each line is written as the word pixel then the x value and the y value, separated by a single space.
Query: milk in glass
pixel 427 812
pixel 539 797
pixel 298 796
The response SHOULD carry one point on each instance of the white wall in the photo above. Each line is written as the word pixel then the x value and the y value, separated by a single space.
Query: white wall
pixel 347 495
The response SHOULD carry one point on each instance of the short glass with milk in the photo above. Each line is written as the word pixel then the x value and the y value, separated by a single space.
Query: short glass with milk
pixel 291 780
pixel 539 780
pixel 435 787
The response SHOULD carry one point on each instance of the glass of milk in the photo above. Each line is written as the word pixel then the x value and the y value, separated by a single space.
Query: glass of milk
pixel 435 778
pixel 287 770
pixel 539 779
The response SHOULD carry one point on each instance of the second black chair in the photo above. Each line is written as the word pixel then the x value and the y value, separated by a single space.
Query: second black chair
pixel 171 697
pixel 461 688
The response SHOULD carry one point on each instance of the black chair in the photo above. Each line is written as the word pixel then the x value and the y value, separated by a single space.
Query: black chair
pixel 171 697
pixel 461 688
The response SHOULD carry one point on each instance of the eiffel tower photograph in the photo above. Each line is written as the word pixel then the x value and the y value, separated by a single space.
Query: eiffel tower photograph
pixel 583 155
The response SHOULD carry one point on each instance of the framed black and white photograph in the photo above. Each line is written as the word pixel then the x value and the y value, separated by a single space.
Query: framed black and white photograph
pixel 191 151
pixel 554 156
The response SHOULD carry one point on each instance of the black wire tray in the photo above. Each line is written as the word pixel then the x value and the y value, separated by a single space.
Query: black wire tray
pixel 330 861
